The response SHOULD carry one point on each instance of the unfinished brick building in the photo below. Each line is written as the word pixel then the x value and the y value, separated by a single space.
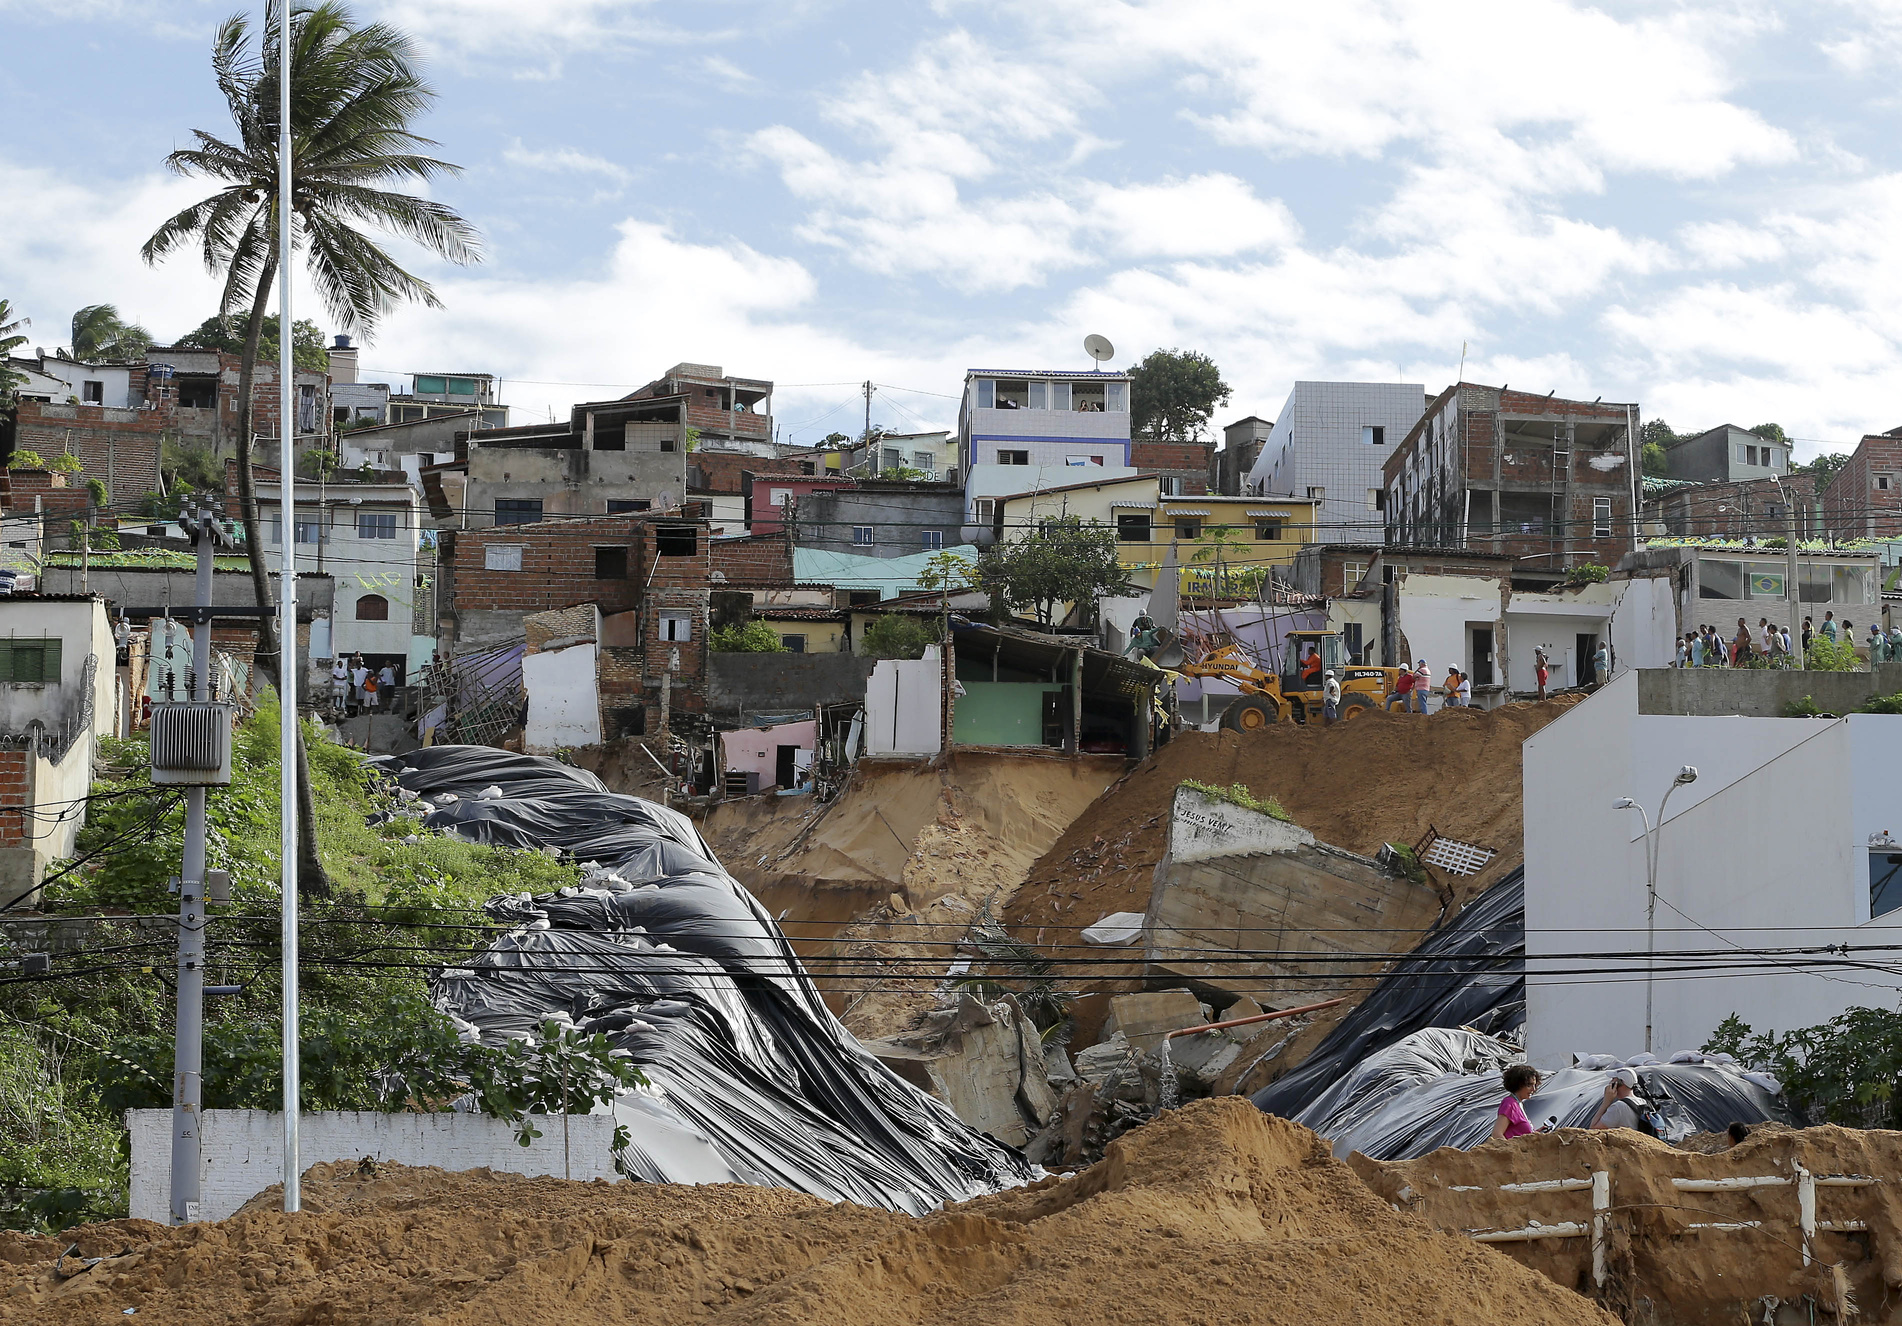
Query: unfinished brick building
pixel 649 574
pixel 1864 500
pixel 1749 508
pixel 728 413
pixel 1182 466
pixel 1548 481
pixel 120 448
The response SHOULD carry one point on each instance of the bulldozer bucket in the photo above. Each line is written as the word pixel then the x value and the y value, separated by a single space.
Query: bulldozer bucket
pixel 1169 654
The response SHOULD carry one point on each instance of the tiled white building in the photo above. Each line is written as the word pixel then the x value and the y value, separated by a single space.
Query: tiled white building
pixel 1329 442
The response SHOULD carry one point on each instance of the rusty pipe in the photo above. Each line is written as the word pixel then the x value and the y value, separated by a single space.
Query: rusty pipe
pixel 1259 1017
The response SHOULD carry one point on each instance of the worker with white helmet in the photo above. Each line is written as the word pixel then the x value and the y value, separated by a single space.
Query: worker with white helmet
pixel 1330 697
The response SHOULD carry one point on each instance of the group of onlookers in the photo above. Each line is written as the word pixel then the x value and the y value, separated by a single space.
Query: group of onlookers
pixel 356 687
pixel 1415 685
pixel 1769 645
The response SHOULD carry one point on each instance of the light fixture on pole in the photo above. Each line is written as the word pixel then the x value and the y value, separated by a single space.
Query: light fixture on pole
pixel 1652 833
pixel 287 614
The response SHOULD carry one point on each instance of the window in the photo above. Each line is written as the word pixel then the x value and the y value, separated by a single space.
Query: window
pixel 1376 500
pixel 305 531
pixel 777 496
pixel 1352 573
pixel 1059 395
pixel 1268 530
pixel 1885 881
pixel 1116 397
pixel 461 387
pixel 933 539
pixel 794 644
pixel 431 387
pixel 893 458
pixel 1813 584
pixel 984 510
pixel 1040 395
pixel 1851 584
pixel 1013 458
pixel 1373 435
pixel 677 541
pixel 1882 483
pixel 925 462
pixel 1316 494
pixel 610 563
pixel 1601 517
pixel 517 511
pixel 30 662
pixel 862 535
pixel 372 608
pixel 376 524
pixel 1076 462
pixel 676 625
pixel 1724 580
pixel 1132 528
pixel 502 557
pixel 92 393
pixel 1188 529
pixel 621 508
pixel 1172 486
pixel 986 394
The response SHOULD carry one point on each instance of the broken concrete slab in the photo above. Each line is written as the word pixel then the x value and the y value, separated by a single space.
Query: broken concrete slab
pixel 1145 1019
pixel 1238 880
pixel 985 1061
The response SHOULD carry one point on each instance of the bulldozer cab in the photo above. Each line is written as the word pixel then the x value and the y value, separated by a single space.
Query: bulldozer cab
pixel 1295 654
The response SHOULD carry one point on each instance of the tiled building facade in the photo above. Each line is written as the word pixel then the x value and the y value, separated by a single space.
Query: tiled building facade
pixel 1329 443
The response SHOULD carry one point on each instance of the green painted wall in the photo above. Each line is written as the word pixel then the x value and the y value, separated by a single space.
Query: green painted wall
pixel 1001 713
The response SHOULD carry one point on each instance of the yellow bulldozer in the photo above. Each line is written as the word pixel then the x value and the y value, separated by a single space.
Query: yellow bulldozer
pixel 1294 693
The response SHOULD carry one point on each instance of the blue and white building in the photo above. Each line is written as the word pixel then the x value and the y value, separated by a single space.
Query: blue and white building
pixel 1021 430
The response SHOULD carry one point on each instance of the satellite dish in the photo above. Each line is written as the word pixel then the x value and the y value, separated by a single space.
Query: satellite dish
pixel 1098 347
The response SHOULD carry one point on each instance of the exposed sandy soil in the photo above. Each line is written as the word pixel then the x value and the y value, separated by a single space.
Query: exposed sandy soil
pixel 1215 1213
pixel 1379 778
pixel 877 888
pixel 1691 1276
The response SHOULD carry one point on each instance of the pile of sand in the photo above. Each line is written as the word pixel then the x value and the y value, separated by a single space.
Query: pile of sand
pixel 1377 779
pixel 1657 1257
pixel 1214 1213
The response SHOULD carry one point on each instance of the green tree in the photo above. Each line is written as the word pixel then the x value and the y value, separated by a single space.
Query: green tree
pixel 948 571
pixel 897 636
pixel 355 90
pixel 1772 433
pixel 100 333
pixel 1843 1071
pixel 1066 561
pixel 1653 437
pixel 1824 468
pixel 745 638
pixel 10 340
pixel 1173 393
pixel 220 333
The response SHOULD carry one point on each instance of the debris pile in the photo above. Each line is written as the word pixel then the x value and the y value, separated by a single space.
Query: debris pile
pixel 1214 1213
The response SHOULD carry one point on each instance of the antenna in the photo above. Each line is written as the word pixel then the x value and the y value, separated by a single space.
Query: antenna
pixel 1098 347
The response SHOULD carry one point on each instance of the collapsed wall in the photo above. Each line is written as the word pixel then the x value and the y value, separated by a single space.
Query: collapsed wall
pixel 1213 1213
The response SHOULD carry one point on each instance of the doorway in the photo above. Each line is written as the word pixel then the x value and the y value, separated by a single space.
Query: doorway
pixel 1587 647
pixel 1482 656
pixel 785 772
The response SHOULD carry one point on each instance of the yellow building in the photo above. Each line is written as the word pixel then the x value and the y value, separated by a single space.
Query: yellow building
pixel 1098 501
pixel 1223 544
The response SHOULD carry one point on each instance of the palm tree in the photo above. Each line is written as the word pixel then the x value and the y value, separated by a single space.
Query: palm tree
pixel 354 92
pixel 10 340
pixel 100 333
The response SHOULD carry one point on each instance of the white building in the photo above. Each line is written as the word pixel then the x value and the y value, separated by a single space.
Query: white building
pixel 1784 841
pixel 1329 442
pixel 934 455
pixel 366 536
pixel 60 380
pixel 1047 418
pixel 57 698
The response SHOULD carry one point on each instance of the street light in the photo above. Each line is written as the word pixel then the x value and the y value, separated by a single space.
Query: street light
pixel 1687 774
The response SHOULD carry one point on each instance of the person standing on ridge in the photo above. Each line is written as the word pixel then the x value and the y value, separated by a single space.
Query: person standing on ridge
pixel 1330 699
pixel 1540 670
pixel 1520 1081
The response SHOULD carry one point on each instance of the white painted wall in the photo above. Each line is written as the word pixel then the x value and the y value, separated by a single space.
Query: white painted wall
pixel 1644 624
pixel 243 1150
pixel 1766 849
pixel 1435 612
pixel 564 704
pixel 904 706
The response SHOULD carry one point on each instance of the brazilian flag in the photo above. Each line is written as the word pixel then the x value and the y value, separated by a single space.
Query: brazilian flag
pixel 1766 584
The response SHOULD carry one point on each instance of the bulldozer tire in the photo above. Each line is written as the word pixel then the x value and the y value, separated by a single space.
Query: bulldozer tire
pixel 1249 715
pixel 1353 706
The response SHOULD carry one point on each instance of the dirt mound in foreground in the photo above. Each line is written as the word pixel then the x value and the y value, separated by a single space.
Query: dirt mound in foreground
pixel 1213 1213
pixel 1379 778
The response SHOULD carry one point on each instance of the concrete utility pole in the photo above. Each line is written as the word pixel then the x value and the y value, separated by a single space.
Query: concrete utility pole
pixel 870 457
pixel 188 1046
pixel 1790 579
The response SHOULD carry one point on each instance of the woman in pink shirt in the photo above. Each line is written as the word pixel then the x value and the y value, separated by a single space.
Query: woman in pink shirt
pixel 1521 1081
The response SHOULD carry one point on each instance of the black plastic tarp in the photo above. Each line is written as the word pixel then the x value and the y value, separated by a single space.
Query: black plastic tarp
pixel 753 1079
pixel 1440 1088
pixel 1469 972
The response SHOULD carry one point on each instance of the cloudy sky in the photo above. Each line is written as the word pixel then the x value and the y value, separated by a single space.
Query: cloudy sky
pixel 1692 206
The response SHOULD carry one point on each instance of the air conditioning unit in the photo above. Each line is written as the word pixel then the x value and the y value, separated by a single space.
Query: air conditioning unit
pixel 191 744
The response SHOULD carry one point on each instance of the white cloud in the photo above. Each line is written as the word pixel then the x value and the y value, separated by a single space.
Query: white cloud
pixel 564 159
pixel 1729 244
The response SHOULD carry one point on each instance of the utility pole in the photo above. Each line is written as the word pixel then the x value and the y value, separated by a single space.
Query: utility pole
pixel 1793 591
pixel 867 436
pixel 188 1049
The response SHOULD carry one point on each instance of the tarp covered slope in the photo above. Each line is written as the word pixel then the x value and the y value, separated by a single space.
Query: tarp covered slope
pixel 753 1078
pixel 1469 972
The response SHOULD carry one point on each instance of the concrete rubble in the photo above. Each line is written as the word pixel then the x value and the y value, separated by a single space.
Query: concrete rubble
pixel 986 1061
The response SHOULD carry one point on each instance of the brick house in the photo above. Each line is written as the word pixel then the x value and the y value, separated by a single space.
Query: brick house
pixel 195 394
pixel 648 575
pixel 1549 481
pixel 767 496
pixel 1747 508
pixel 1864 500
pixel 1182 466
pixel 120 448
pixel 728 413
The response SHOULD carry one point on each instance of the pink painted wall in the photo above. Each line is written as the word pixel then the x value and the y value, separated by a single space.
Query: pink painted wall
pixel 756 749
